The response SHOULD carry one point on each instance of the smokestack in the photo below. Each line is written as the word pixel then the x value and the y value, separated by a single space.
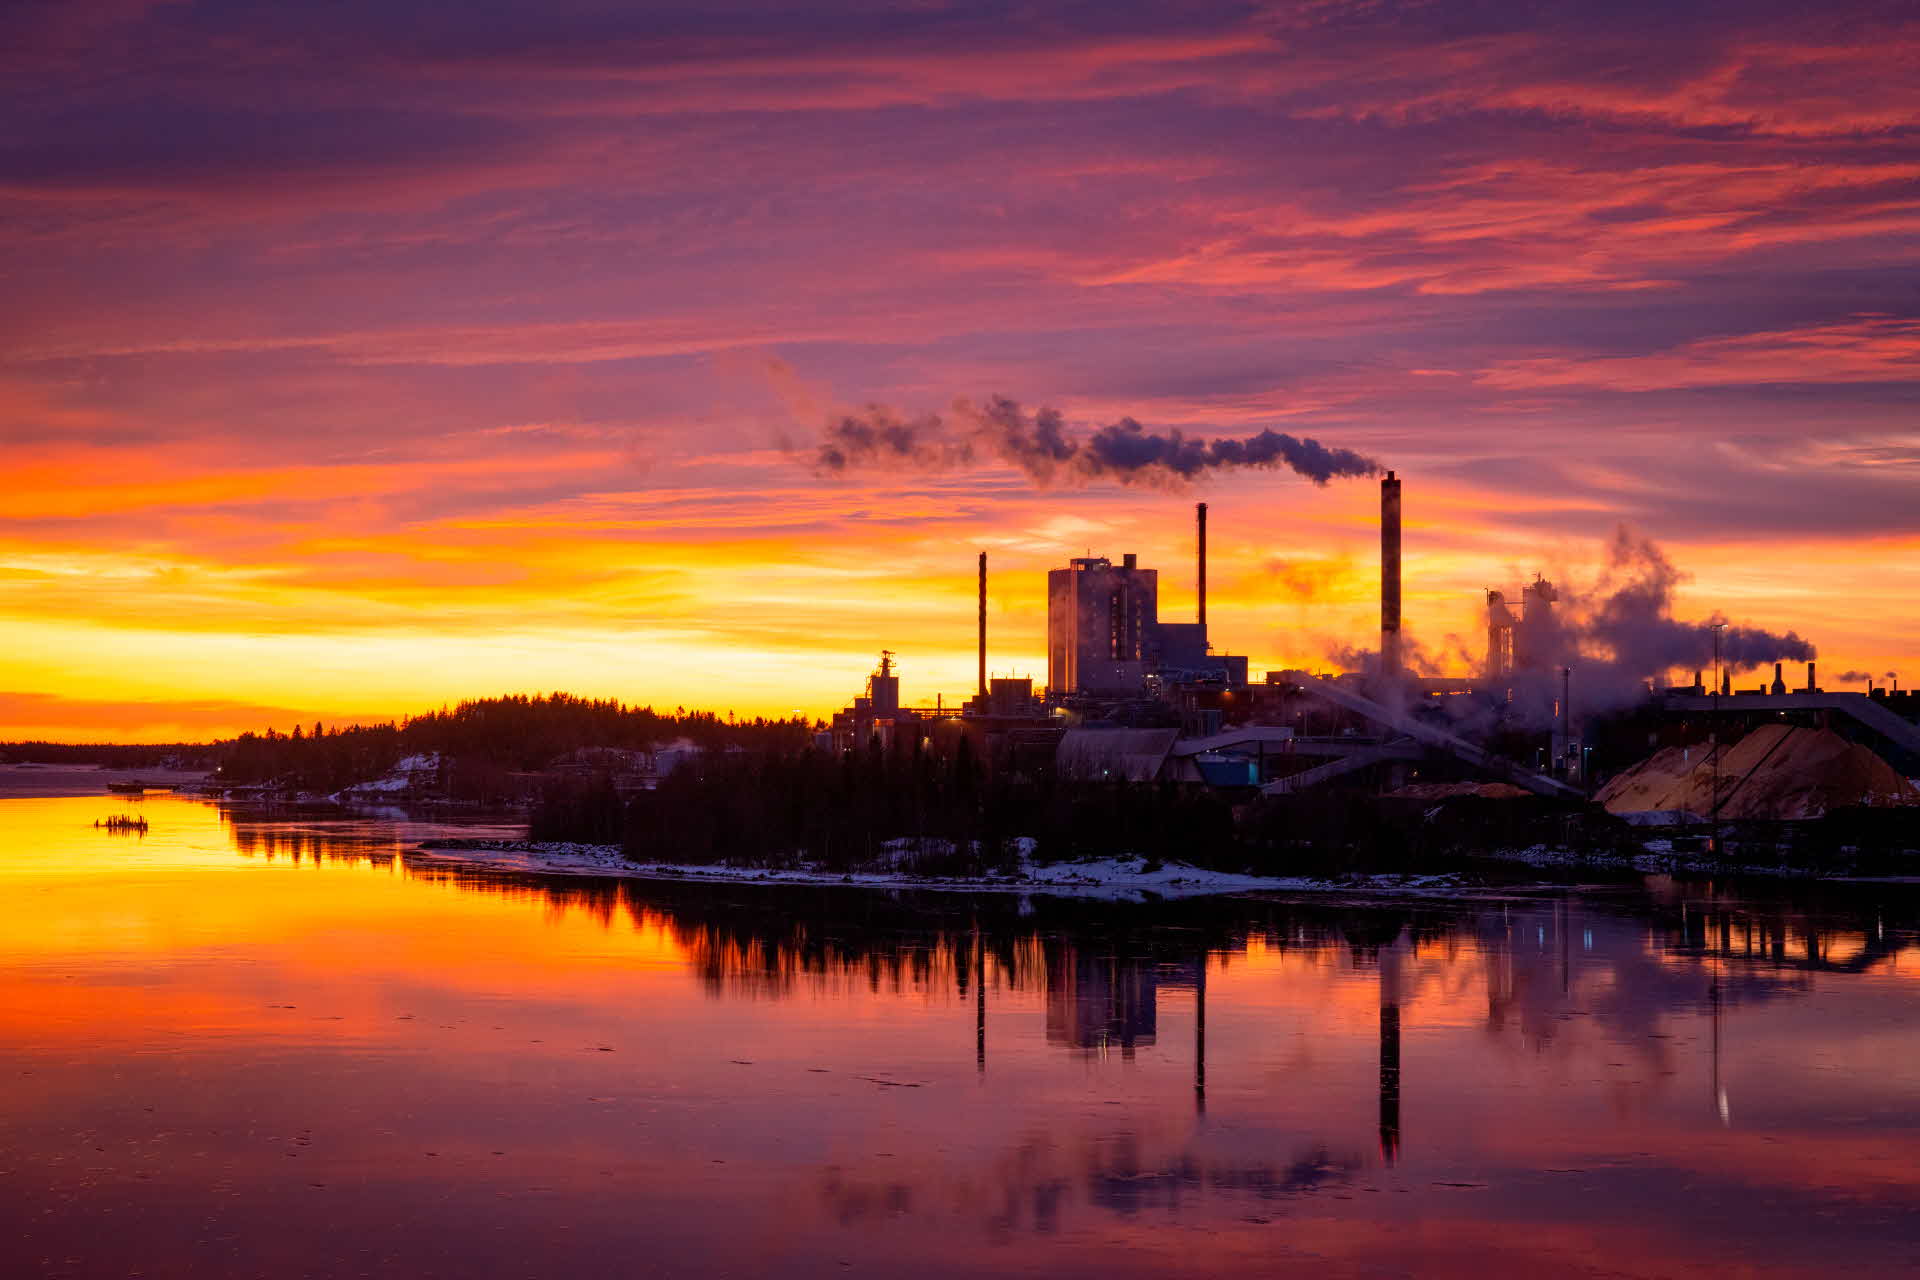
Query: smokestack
pixel 1390 578
pixel 1779 681
pixel 1811 686
pixel 1200 520
pixel 983 632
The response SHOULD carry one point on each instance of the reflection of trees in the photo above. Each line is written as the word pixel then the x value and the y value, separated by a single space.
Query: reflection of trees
pixel 1621 962
pixel 1564 976
pixel 267 833
pixel 1627 958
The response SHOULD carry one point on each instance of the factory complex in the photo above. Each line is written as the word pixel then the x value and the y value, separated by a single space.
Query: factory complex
pixel 1131 696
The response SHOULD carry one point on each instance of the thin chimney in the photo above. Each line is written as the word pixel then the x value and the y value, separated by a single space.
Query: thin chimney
pixel 1200 519
pixel 983 631
pixel 1390 577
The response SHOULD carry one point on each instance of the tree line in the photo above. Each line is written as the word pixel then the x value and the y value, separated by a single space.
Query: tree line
pixel 905 809
pixel 483 740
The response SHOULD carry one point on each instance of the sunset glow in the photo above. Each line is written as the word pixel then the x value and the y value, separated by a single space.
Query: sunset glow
pixel 357 362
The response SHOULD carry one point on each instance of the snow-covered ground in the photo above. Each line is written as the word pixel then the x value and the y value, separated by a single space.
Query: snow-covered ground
pixel 400 779
pixel 1116 879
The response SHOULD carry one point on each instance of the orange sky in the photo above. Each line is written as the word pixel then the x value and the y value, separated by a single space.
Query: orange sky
pixel 347 375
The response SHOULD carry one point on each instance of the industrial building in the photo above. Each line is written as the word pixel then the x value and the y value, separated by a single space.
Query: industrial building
pixel 1130 696
pixel 1105 637
pixel 1103 625
pixel 1524 643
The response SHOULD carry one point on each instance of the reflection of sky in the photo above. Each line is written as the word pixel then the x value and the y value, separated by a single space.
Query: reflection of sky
pixel 465 355
pixel 244 1054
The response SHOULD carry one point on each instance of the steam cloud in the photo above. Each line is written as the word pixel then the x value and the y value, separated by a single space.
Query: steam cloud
pixel 1854 677
pixel 1039 445
pixel 1628 617
pixel 1616 635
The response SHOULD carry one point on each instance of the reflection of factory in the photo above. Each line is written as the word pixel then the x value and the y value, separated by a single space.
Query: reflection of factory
pixel 1099 1002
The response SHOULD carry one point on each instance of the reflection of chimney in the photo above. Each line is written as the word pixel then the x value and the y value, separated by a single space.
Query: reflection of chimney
pixel 1389 1082
pixel 1779 681
pixel 983 632
pixel 1200 1028
pixel 1390 577
pixel 980 999
pixel 1200 518
pixel 1390 957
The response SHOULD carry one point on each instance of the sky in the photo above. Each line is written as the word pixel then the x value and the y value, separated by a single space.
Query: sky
pixel 359 358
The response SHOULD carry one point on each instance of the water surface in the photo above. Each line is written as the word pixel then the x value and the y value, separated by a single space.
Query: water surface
pixel 240 1046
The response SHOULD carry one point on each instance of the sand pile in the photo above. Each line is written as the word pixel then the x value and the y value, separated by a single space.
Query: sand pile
pixel 1776 773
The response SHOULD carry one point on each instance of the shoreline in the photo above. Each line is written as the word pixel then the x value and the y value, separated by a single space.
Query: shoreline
pixel 27 780
pixel 1122 879
pixel 1128 878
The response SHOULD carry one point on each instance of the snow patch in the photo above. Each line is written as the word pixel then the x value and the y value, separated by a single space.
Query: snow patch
pixel 1122 879
pixel 405 775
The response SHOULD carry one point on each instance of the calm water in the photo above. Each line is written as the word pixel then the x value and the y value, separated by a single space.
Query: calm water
pixel 274 1048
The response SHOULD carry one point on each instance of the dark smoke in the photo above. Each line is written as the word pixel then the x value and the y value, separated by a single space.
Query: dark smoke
pixel 879 438
pixel 1039 445
pixel 1853 677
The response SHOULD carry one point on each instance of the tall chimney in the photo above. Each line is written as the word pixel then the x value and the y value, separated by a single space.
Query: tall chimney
pixel 1200 519
pixel 1811 686
pixel 1779 681
pixel 1390 578
pixel 983 632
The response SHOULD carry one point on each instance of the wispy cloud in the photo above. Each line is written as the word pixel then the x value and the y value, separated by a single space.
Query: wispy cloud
pixel 353 319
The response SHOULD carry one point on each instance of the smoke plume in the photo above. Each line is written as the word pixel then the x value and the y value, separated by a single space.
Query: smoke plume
pixel 1617 633
pixel 1040 445
pixel 1854 677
